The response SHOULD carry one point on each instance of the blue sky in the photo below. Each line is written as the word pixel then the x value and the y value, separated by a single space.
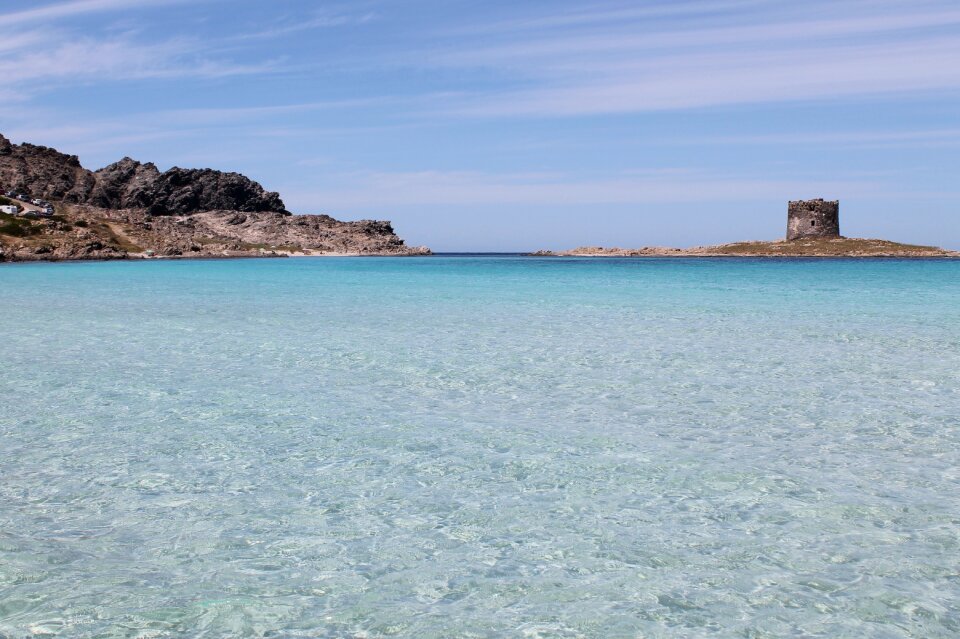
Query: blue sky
pixel 517 125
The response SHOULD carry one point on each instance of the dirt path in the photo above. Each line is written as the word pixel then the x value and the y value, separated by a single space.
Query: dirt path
pixel 124 240
pixel 26 206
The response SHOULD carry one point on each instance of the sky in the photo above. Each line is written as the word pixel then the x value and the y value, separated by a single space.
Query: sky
pixel 512 126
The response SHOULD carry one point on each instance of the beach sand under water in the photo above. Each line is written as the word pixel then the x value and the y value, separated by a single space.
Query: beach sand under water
pixel 480 447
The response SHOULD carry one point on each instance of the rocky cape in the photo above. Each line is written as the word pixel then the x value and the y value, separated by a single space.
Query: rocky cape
pixel 133 210
pixel 814 247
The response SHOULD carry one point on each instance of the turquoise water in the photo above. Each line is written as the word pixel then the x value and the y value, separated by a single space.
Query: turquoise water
pixel 480 447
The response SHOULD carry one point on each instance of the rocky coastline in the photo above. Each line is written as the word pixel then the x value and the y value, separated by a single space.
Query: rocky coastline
pixel 130 210
pixel 804 248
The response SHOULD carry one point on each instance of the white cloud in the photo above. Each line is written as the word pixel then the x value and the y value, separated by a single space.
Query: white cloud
pixel 56 53
pixel 21 40
pixel 383 190
pixel 625 41
pixel 86 59
pixel 320 20
pixel 679 81
pixel 616 61
pixel 615 13
pixel 856 139
pixel 77 7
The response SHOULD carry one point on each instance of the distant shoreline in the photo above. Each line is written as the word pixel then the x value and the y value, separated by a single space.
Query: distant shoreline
pixel 806 248
pixel 525 256
pixel 691 256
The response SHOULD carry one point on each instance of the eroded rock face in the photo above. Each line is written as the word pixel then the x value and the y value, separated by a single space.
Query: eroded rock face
pixel 83 232
pixel 43 172
pixel 46 173
pixel 128 184
pixel 132 209
pixel 320 233
pixel 124 184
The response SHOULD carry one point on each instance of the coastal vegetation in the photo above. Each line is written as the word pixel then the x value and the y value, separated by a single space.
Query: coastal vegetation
pixel 828 247
pixel 807 247
pixel 16 227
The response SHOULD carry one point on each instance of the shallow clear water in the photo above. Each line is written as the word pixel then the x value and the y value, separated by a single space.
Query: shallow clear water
pixel 480 447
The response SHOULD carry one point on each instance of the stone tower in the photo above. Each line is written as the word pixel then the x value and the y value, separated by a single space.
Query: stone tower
pixel 813 218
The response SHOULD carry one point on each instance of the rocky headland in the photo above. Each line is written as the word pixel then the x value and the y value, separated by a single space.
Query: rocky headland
pixel 133 210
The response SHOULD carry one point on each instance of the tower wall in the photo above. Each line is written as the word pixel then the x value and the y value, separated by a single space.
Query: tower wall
pixel 813 218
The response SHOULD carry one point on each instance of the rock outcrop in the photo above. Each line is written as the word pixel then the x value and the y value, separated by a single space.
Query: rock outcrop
pixel 44 172
pixel 48 174
pixel 80 232
pixel 131 209
pixel 128 184
pixel 218 231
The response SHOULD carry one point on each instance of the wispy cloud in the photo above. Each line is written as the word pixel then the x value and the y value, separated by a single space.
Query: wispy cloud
pixel 61 10
pixel 21 40
pixel 636 38
pixel 50 50
pixel 319 20
pixel 85 59
pixel 622 63
pixel 382 189
pixel 705 80
pixel 592 14
pixel 255 113
pixel 850 139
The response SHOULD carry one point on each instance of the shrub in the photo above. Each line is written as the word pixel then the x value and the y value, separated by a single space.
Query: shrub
pixel 16 227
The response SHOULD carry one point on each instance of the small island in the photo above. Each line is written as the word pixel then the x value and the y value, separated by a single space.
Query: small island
pixel 813 230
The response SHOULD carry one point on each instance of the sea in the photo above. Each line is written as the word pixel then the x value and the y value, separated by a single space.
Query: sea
pixel 480 446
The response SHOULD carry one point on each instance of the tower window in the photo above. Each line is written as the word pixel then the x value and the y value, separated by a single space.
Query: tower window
pixel 813 222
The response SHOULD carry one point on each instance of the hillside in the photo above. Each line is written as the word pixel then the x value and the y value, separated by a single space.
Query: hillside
pixel 131 209
pixel 48 174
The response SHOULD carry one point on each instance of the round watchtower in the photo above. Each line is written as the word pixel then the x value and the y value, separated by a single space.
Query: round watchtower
pixel 813 218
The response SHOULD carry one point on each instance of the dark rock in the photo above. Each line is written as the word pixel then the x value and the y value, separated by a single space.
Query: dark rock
pixel 128 184
pixel 43 172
